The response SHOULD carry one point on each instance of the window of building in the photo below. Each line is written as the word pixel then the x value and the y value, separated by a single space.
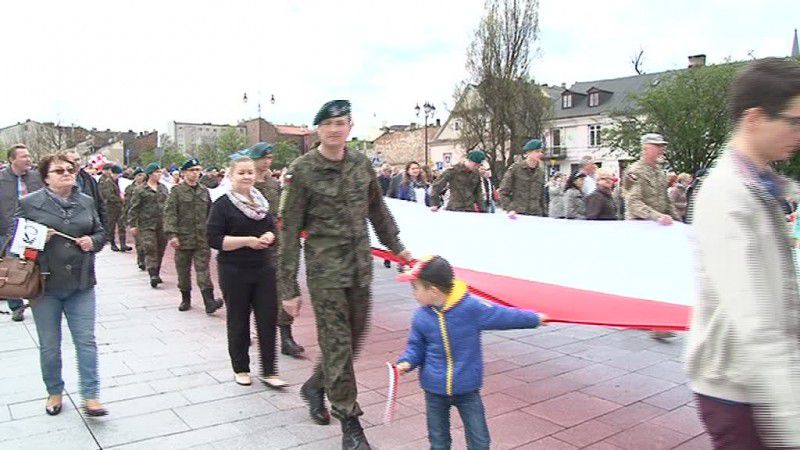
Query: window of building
pixel 594 99
pixel 566 101
pixel 594 135
pixel 573 168
pixel 457 125
pixel 555 138
pixel 447 157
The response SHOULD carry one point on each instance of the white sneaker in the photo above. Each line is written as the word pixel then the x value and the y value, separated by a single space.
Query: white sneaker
pixel 243 378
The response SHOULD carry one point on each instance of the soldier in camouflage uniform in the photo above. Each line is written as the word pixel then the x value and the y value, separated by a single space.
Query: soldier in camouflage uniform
pixel 644 188
pixel 185 217
pixel 209 178
pixel 138 180
pixel 270 188
pixel 146 217
pixel 645 185
pixel 464 183
pixel 330 194
pixel 108 186
pixel 523 187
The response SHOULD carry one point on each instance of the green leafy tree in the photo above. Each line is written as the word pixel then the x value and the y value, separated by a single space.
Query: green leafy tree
pixel 688 107
pixel 283 153
pixel 172 154
pixel 499 105
pixel 230 140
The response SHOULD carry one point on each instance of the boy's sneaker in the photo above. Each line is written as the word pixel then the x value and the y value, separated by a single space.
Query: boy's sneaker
pixel 18 315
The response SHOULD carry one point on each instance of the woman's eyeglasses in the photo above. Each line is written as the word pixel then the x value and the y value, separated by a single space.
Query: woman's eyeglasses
pixel 61 171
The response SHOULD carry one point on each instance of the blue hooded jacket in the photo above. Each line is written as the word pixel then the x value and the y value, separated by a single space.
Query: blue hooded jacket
pixel 445 342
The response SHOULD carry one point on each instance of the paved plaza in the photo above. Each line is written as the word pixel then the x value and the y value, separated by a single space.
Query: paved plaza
pixel 167 381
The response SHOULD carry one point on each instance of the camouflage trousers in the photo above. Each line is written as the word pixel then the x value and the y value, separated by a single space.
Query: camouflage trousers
pixel 139 250
pixel 154 243
pixel 342 317
pixel 115 223
pixel 283 317
pixel 200 257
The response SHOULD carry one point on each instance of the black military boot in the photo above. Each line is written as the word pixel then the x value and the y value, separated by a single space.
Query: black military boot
pixel 154 279
pixel 123 247
pixel 158 275
pixel 186 301
pixel 288 345
pixel 316 403
pixel 212 304
pixel 353 437
pixel 142 267
pixel 114 247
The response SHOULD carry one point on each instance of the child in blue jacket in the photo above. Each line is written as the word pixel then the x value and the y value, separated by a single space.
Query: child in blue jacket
pixel 445 343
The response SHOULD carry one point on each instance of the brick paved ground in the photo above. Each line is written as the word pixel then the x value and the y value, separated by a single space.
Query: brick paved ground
pixel 167 382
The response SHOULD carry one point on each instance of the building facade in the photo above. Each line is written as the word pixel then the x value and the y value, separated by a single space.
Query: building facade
pixel 189 137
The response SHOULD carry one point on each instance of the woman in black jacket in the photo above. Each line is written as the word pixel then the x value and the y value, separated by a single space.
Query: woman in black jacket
pixel 242 229
pixel 75 235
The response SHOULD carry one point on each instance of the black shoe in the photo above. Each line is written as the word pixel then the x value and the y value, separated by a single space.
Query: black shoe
pixel 211 303
pixel 387 263
pixel 353 437
pixel 288 345
pixel 114 248
pixel 186 301
pixel 142 267
pixel 53 410
pixel 315 398
pixel 154 279
pixel 18 315
pixel 125 248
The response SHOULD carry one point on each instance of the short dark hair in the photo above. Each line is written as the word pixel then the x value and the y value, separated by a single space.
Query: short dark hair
pixel 12 152
pixel 445 288
pixel 48 160
pixel 769 84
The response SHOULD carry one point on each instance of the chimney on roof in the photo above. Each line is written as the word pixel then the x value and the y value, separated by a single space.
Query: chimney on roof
pixel 697 61
pixel 563 85
pixel 438 123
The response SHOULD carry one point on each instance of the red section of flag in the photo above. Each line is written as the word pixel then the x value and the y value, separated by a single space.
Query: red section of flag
pixel 570 305
pixel 30 254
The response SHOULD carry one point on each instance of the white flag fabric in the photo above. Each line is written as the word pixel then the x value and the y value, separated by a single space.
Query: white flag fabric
pixel 29 234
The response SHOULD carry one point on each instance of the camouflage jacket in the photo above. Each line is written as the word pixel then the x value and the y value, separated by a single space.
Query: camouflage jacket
pixel 271 190
pixel 186 214
pixel 522 189
pixel 464 186
pixel 209 181
pixel 644 188
pixel 109 192
pixel 129 197
pixel 147 207
pixel 331 201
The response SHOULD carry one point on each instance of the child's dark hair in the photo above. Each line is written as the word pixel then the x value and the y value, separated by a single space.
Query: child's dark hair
pixel 446 289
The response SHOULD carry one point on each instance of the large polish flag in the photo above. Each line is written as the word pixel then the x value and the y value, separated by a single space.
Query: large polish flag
pixel 634 274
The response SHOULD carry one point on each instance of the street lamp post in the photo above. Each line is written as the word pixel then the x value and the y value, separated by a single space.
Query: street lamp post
pixel 429 111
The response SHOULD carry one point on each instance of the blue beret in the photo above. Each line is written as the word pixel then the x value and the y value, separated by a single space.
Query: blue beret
pixel 259 150
pixel 239 154
pixel 476 156
pixel 192 162
pixel 533 144
pixel 334 108
pixel 152 167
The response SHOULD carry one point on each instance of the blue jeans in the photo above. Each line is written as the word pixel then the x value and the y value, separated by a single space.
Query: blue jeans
pixel 470 407
pixel 14 303
pixel 79 308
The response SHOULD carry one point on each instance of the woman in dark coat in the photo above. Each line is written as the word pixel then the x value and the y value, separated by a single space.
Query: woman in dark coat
pixel 68 263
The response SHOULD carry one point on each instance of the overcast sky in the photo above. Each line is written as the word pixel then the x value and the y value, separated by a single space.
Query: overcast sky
pixel 139 65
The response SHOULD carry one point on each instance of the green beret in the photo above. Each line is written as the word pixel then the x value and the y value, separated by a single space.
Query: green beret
pixel 137 171
pixel 533 144
pixel 476 156
pixel 107 166
pixel 334 108
pixel 259 150
pixel 116 169
pixel 189 163
pixel 210 168
pixel 152 167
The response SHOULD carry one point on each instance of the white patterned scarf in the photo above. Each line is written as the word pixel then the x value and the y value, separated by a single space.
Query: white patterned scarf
pixel 255 210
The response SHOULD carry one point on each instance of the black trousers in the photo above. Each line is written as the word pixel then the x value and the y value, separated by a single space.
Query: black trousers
pixel 250 289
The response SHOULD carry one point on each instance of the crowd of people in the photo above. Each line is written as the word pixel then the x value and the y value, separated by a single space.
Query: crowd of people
pixel 743 354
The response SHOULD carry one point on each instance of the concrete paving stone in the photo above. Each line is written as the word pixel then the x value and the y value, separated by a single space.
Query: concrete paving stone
pixel 672 398
pixel 277 438
pixel 332 443
pixel 34 408
pixel 666 370
pixel 603 446
pixel 69 439
pixel 288 399
pixel 587 433
pixel 509 349
pixel 649 436
pixel 637 360
pixel 631 415
pixel 683 420
pixel 373 414
pixel 210 392
pixel 498 366
pixel 547 369
pixel 518 428
pixel 5 412
pixel 110 431
pixel 500 382
pixel 548 340
pixel 146 405
pixel 398 432
pixel 224 411
pixel 308 432
pixel 126 391
pixel 592 374
pixel 571 409
pixel 498 403
pixel 139 377
pixel 702 442
pixel 629 388
pixel 548 443
pixel 178 383
pixel 40 424
pixel 192 439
